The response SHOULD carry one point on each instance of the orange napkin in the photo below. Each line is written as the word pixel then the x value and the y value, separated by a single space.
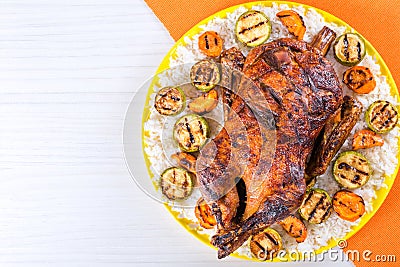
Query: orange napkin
pixel 378 21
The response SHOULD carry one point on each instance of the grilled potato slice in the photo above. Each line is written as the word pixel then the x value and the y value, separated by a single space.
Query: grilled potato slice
pixel 203 214
pixel 266 244
pixel 204 103
pixel 170 101
pixel 348 205
pixel 316 207
pixel 295 228
pixel 185 160
pixel 191 132
pixel 331 139
pixel 176 183
pixel 205 75
pixel 381 116
pixel 253 28
pixel 351 169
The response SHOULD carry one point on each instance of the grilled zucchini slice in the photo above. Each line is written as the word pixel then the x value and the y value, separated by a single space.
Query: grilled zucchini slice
pixel 351 169
pixel 348 205
pixel 349 49
pixel 381 116
pixel 253 28
pixel 266 244
pixel 170 101
pixel 205 75
pixel 176 183
pixel 316 207
pixel 295 228
pixel 191 132
pixel 204 215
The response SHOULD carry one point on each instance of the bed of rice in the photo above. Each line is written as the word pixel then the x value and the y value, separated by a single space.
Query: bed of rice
pixel 383 159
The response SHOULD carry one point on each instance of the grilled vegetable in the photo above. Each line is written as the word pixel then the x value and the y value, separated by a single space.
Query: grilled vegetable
pixel 335 132
pixel 381 116
pixel 348 205
pixel 185 160
pixel 359 79
pixel 349 49
pixel 366 139
pixel 253 28
pixel 293 22
pixel 203 214
pixel 210 44
pixel 316 207
pixel 176 183
pixel 295 228
pixel 205 75
pixel 191 132
pixel 311 182
pixel 204 103
pixel 170 101
pixel 266 244
pixel 351 169
pixel 324 39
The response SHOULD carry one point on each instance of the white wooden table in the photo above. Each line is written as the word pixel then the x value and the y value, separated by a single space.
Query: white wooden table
pixel 68 70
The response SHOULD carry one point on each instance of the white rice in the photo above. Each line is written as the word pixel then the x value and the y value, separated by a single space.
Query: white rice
pixel 383 159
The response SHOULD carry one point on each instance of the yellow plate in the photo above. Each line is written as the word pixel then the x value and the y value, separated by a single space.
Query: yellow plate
pixel 165 64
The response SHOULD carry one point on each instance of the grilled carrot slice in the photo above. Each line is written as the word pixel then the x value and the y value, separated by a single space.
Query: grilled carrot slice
pixel 348 205
pixel 210 43
pixel 295 228
pixel 366 139
pixel 204 215
pixel 204 103
pixel 293 22
pixel 359 79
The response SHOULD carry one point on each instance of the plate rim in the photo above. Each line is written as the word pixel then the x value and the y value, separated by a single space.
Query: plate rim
pixel 382 193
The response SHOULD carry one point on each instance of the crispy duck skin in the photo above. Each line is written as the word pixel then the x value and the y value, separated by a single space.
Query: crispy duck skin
pixel 294 84
pixel 225 204
pixel 335 132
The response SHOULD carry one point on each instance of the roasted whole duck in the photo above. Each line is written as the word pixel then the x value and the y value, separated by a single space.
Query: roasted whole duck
pixel 274 110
